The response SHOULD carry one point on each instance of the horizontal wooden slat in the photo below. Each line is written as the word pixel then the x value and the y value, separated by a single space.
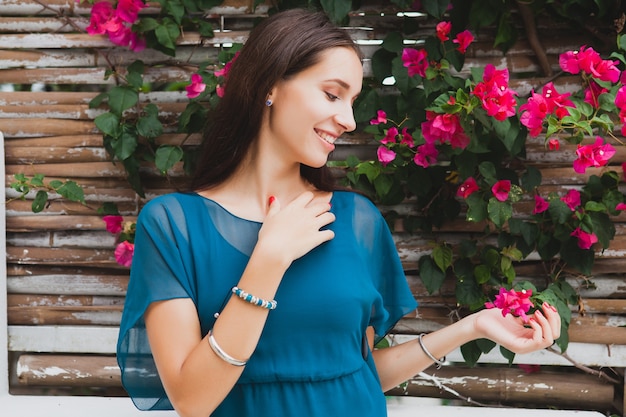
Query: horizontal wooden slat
pixel 575 391
pixel 62 370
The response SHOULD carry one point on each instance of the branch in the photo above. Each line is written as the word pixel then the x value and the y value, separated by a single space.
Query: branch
pixel 584 368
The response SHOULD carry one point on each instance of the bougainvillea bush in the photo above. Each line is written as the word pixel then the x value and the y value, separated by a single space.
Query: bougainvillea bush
pixel 450 143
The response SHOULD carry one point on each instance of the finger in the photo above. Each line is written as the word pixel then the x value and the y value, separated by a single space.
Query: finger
pixel 554 319
pixel 546 329
pixel 273 205
pixel 324 219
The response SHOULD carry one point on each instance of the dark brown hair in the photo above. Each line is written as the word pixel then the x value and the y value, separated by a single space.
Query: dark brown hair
pixel 279 47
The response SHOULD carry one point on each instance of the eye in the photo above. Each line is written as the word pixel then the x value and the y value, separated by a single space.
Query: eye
pixel 332 97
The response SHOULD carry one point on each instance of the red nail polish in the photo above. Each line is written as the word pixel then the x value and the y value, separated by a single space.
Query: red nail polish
pixel 271 200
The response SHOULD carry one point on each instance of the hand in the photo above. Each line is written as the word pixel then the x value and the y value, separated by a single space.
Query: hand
pixel 291 232
pixel 511 332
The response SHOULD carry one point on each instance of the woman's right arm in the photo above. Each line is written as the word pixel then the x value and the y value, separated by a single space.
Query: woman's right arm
pixel 195 379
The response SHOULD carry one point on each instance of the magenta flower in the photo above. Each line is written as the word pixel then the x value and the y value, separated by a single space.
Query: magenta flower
pixel 595 155
pixel 468 187
pixel 585 240
pixel 554 144
pixel 113 223
pixel 582 60
pixel 426 155
pixel 407 139
pixel 533 113
pixel 444 128
pixel 501 190
pixel 463 39
pixel 101 13
pixel 226 69
pixel 124 253
pixel 385 155
pixel 493 91
pixel 128 10
pixel 557 103
pixel 541 205
pixel 620 206
pixel 514 302
pixel 381 117
pixel 572 199
pixel 592 94
pixel 416 61
pixel 620 103
pixel 443 29
pixel 196 87
pixel 390 136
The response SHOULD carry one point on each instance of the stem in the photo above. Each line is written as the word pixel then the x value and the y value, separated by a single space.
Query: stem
pixel 584 368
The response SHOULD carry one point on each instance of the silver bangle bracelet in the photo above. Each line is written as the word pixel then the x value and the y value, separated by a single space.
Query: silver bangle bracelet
pixel 223 355
pixel 439 362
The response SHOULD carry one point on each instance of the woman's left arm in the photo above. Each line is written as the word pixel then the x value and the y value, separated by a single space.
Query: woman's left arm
pixel 398 363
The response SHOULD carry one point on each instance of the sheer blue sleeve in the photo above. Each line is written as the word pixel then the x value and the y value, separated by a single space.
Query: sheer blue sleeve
pixel 396 299
pixel 157 273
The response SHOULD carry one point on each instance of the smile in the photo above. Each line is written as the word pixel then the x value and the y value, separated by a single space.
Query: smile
pixel 326 137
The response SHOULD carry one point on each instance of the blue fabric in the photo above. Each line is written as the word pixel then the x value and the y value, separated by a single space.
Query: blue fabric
pixel 309 359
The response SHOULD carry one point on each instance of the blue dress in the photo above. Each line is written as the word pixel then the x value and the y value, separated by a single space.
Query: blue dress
pixel 310 359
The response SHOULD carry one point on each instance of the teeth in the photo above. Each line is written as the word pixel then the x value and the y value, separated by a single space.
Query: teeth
pixel 328 138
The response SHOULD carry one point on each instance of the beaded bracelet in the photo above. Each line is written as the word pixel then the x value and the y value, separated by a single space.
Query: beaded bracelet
pixel 223 355
pixel 439 362
pixel 270 305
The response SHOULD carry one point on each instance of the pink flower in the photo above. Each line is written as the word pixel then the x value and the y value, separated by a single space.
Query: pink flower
pixel 620 206
pixel 463 39
pixel 592 93
pixel 101 13
pixel 572 199
pixel 620 103
pixel 390 136
pixel 585 240
pixel 557 103
pixel 196 87
pixel 624 170
pixel 541 205
pixel 468 187
pixel 385 155
pixel 496 97
pixel 128 10
pixel 554 144
pixel 124 253
pixel 443 29
pixel 381 117
pixel 416 61
pixel 582 60
pixel 501 190
pixel 407 139
pixel 113 224
pixel 224 71
pixel 533 113
pixel 595 155
pixel 444 128
pixel 426 155
pixel 219 90
pixel 515 302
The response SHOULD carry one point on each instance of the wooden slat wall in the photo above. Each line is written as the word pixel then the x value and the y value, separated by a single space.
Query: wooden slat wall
pixel 61 269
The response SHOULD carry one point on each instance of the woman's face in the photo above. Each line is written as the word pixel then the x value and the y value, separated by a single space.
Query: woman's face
pixel 313 108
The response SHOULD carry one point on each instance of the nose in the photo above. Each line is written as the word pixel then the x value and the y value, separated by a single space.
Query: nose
pixel 345 118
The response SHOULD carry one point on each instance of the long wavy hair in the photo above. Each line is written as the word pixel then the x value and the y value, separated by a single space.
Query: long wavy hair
pixel 280 47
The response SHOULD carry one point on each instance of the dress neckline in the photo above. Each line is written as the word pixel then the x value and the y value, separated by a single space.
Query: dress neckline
pixel 234 216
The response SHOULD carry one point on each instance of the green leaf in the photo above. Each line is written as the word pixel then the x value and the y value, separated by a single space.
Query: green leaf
pixel 430 274
pixel 393 42
pixel 476 208
pixel 488 170
pixel 166 34
pixel 442 254
pixel 109 124
pixel 124 146
pixel 471 353
pixel 531 178
pixel 337 10
pixel 560 213
pixel 435 8
pixel 499 211
pixel 507 354
pixel 72 191
pixel 39 203
pixel 97 100
pixel 482 273
pixel 150 126
pixel 122 98
pixel 167 156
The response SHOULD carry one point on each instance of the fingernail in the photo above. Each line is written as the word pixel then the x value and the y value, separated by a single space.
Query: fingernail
pixel 271 199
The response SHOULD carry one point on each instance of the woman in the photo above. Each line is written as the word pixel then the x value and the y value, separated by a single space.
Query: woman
pixel 264 222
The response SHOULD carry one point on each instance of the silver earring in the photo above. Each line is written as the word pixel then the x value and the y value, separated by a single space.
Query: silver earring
pixel 268 102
